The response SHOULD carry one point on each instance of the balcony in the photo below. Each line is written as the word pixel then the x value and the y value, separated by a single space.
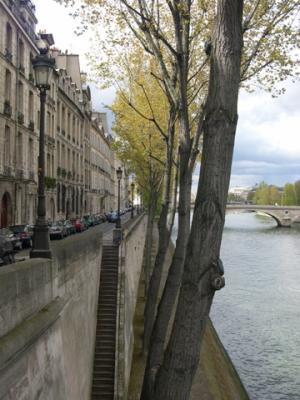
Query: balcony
pixel 22 69
pixel 50 140
pixel 51 101
pixel 63 172
pixel 7 109
pixel 7 171
pixel 31 126
pixel 20 118
pixel 8 55
pixel 19 174
pixel 31 78
pixel 50 183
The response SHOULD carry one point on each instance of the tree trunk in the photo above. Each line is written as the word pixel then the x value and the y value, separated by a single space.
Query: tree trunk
pixel 202 268
pixel 164 238
pixel 149 238
pixel 159 332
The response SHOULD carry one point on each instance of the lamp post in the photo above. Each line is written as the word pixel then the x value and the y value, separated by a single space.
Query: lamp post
pixel 138 202
pixel 119 177
pixel 132 192
pixel 43 66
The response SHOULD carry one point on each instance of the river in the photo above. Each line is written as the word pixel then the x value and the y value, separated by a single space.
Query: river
pixel 257 314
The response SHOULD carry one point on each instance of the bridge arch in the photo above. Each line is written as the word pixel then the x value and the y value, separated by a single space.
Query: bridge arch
pixel 270 215
pixel 284 216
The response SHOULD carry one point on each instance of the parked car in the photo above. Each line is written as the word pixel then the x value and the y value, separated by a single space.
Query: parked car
pixel 57 230
pixel 103 217
pixel 23 233
pixel 112 217
pixel 10 236
pixel 88 220
pixel 7 254
pixel 70 228
pixel 79 224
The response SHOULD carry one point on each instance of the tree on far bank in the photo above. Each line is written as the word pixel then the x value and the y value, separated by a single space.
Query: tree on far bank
pixel 267 194
pixel 297 191
pixel 289 195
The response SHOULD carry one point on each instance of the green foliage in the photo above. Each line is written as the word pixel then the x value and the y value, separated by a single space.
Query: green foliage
pixel 289 195
pixel 267 194
pixel 297 191
pixel 50 183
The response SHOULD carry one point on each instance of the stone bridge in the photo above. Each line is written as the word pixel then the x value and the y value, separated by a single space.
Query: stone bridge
pixel 285 216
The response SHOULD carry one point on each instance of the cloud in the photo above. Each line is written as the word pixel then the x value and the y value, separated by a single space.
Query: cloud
pixel 268 142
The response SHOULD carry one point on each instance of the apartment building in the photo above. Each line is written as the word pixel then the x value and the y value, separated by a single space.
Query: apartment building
pixel 76 145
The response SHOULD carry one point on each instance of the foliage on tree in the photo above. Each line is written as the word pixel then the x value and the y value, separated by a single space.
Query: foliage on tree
pixel 289 195
pixel 267 194
pixel 297 192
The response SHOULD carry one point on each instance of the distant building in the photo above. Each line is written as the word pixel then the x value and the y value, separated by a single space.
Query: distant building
pixel 240 192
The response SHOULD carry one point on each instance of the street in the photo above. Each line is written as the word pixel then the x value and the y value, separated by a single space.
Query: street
pixel 106 228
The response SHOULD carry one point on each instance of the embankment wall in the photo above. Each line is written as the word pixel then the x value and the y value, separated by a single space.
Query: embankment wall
pixel 47 322
pixel 132 251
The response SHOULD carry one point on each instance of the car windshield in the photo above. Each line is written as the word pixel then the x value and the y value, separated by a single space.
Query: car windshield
pixel 17 228
pixel 5 232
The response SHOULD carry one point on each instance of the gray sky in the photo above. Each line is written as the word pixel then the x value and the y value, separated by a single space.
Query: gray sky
pixel 268 137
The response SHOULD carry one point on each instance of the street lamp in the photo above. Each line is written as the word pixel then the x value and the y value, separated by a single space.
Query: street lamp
pixel 43 66
pixel 132 191
pixel 119 177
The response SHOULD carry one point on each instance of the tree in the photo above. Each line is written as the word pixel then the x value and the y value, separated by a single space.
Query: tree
pixel 297 191
pixel 267 194
pixel 202 270
pixel 289 195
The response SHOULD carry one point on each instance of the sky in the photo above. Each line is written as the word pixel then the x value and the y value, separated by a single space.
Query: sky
pixel 267 146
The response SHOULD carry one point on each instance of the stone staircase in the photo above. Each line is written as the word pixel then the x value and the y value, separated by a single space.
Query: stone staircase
pixel 104 359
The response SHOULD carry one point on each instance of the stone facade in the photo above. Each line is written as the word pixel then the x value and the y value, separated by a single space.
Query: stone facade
pixel 102 166
pixel 79 162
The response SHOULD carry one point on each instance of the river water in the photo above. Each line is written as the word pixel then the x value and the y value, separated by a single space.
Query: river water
pixel 257 314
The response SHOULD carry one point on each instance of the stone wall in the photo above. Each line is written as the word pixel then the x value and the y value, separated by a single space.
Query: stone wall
pixel 132 251
pixel 48 314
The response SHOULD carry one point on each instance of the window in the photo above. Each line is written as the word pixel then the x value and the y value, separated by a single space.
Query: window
pixel 58 154
pixel 63 155
pixel 48 128
pixel 52 126
pixel 7 83
pixel 21 56
pixel 48 165
pixel 69 124
pixel 63 120
pixel 8 42
pixel 58 114
pixel 30 160
pixel 7 146
pixel 21 97
pixel 30 107
pixel 19 154
pixel 31 71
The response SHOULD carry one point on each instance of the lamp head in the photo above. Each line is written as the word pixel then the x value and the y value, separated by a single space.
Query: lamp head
pixel 119 173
